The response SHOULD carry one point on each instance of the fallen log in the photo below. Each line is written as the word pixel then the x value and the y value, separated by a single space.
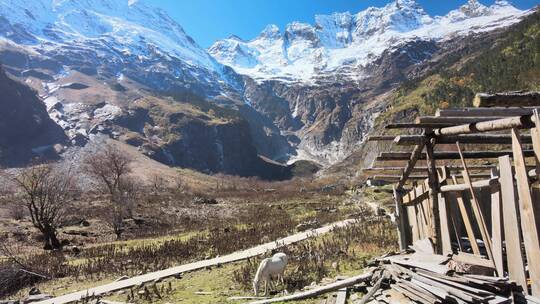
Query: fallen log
pixel 320 290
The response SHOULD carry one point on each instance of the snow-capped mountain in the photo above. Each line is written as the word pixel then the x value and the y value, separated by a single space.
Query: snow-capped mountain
pixel 112 34
pixel 304 52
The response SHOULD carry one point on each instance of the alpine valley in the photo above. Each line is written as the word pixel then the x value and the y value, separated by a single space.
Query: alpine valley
pixel 74 71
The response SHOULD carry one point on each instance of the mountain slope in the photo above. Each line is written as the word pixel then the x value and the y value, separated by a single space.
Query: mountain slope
pixel 26 131
pixel 504 61
pixel 323 84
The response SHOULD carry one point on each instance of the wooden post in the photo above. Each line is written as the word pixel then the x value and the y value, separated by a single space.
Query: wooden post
pixel 528 221
pixel 516 268
pixel 446 243
pixel 401 215
pixel 434 197
pixel 496 228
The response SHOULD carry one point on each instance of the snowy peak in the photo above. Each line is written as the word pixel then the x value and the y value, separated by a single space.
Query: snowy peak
pixel 130 25
pixel 304 52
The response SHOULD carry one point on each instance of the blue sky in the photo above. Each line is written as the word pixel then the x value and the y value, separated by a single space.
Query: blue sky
pixel 209 20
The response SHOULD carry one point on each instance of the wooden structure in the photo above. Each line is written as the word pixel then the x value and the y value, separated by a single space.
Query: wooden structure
pixel 470 184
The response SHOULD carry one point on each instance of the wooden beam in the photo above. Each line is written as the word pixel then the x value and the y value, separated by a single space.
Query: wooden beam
pixel 423 169
pixel 395 178
pixel 525 121
pixel 493 112
pixel 451 120
pixel 446 244
pixel 528 221
pixel 496 227
pixel 489 183
pixel 401 214
pixel 516 267
pixel 390 156
pixel 515 99
pixel 433 182
pixel 381 138
pixel 412 125
pixel 409 140
pixel 319 290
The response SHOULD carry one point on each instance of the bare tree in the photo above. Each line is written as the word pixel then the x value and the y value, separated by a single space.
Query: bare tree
pixel 46 192
pixel 111 169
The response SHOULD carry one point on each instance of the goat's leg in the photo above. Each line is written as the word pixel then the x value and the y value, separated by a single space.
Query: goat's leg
pixel 266 287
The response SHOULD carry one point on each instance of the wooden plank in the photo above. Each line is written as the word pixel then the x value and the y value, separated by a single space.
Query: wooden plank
pixel 516 268
pixel 342 296
pixel 446 243
pixel 442 155
pixel 528 221
pixel 319 290
pixel 475 112
pixel 395 178
pixel 496 228
pixel 230 258
pixel 452 120
pixel 408 140
pixel 472 259
pixel 514 99
pixel 467 221
pixel 476 208
pixel 412 125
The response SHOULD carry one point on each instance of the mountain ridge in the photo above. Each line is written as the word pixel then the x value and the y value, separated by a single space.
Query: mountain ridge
pixel 303 52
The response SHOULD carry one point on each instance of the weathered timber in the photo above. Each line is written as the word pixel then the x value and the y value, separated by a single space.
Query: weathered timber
pixel 528 221
pixel 493 112
pixel 423 169
pixel 381 138
pixel 515 99
pixel 496 227
pixel 489 183
pixel 401 219
pixel 409 140
pixel 395 178
pixel 516 267
pixel 442 155
pixel 525 121
pixel 451 120
pixel 413 158
pixel 412 125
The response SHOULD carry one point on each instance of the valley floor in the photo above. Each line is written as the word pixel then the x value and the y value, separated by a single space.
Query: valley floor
pixel 169 229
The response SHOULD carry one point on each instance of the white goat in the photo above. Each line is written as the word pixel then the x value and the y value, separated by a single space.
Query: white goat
pixel 270 267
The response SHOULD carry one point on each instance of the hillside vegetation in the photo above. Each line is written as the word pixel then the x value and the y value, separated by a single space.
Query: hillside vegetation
pixel 511 63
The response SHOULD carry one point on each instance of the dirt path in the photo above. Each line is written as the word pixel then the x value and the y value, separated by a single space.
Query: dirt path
pixel 233 257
